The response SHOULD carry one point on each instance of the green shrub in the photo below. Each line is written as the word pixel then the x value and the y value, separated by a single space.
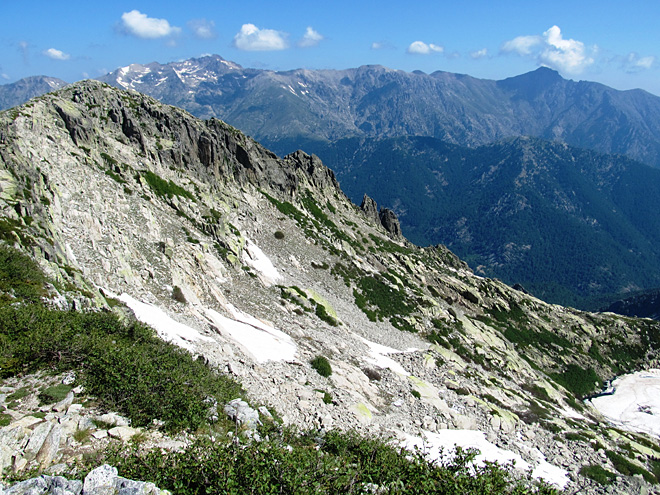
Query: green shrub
pixel 279 234
pixel 322 366
pixel 165 188
pixel 321 312
pixel 598 474
pixel 126 366
pixel 20 276
pixel 55 393
pixel 289 463
pixel 578 380
pixel 416 394
pixel 628 468
pixel 5 419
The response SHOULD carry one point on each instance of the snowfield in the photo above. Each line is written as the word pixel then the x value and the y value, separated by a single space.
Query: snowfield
pixel 167 328
pixel 635 403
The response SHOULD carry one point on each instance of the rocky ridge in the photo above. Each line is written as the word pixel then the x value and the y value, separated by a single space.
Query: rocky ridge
pixel 121 196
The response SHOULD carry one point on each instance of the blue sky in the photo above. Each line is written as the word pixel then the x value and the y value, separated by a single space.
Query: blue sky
pixel 612 42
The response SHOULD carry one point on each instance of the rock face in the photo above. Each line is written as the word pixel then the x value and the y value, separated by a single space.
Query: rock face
pixel 101 481
pixel 370 208
pixel 390 221
pixel 121 197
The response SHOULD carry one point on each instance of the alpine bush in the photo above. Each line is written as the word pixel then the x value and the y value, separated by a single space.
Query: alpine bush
pixel 322 366
pixel 292 463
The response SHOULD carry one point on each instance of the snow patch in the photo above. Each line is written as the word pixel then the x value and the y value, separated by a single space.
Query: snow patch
pixel 262 341
pixel 377 357
pixel 167 328
pixel 255 258
pixel 635 403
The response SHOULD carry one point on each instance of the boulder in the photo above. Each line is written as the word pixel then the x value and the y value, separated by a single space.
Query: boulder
pixel 390 222
pixel 242 414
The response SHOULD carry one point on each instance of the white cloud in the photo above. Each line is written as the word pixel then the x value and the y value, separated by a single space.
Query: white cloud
pixel 311 38
pixel 522 45
pixel 477 54
pixel 56 54
pixel 202 28
pixel 5 76
pixel 569 55
pixel 419 47
pixel 251 38
pixel 633 63
pixel 138 24
pixel 552 50
pixel 382 45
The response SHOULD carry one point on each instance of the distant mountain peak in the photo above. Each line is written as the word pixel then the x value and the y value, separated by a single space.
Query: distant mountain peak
pixel 542 77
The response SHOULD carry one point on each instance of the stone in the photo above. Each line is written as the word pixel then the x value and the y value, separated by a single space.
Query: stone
pixel 113 419
pixel 264 412
pixel 69 378
pixel 242 414
pixel 123 433
pixel 101 481
pixel 370 209
pixel 64 404
pixel 49 448
pixel 37 440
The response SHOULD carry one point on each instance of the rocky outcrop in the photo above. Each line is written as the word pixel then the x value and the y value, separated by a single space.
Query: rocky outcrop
pixel 103 480
pixel 370 209
pixel 390 222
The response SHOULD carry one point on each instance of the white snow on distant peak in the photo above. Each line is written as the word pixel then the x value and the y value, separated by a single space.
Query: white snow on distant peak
pixel 262 341
pixel 635 403
pixel 167 328
pixel 255 258
pixel 377 357
pixel 442 445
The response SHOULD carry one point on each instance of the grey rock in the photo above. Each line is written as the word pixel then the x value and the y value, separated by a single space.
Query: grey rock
pixel 101 481
pixel 242 414
pixel 37 439
pixel 46 485
pixel 50 446
pixel 370 209
pixel 123 433
pixel 64 404
pixel 390 222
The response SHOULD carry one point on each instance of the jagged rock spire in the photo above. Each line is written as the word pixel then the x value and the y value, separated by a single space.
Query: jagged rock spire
pixel 370 208
pixel 390 222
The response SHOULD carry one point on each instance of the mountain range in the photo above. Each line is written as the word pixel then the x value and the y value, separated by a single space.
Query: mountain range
pixel 21 91
pixel 280 108
pixel 579 230
pixel 261 269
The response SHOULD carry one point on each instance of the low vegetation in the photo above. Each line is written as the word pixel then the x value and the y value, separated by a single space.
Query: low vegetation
pixel 322 366
pixel 336 463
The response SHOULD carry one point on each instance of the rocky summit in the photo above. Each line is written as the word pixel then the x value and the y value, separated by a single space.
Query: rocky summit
pixel 264 270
